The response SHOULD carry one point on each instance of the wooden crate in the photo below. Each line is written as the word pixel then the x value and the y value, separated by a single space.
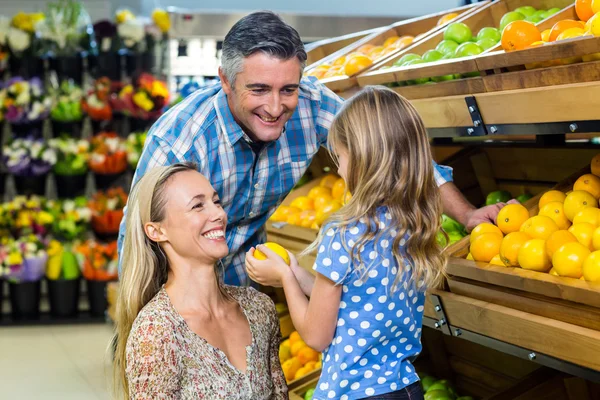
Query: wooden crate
pixel 488 15
pixel 317 51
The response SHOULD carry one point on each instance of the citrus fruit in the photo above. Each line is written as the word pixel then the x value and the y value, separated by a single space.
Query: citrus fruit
pixel 571 33
pixel 365 48
pixel 446 18
pixel 511 217
pixel 470 257
pixel 328 181
pixel 311 365
pixel 590 215
pixel 357 64
pixel 596 239
pixel 550 196
pixel 334 71
pixel 539 227
pixel 590 183
pixel 533 256
pixel 294 337
pixel 338 189
pixel 497 261
pixel 595 6
pixel 303 203
pixel 568 260
pixel 294 219
pixel 390 41
pixel 278 249
pixel 482 228
pixel 595 165
pixel 284 353
pixel 519 34
pixel 562 26
pixel 340 61
pixel 283 213
pixel 290 367
pixel 577 201
pixel 296 347
pixel 307 218
pixel 584 233
pixel 486 246
pixel 318 191
pixel 301 372
pixel 307 354
pixel 583 8
pixel 509 248
pixel 322 200
pixel 403 42
pixel 553 272
pixel 557 240
pixel 556 212
pixel 593 24
pixel 591 267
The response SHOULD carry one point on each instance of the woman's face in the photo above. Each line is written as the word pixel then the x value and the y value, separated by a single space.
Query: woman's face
pixel 195 222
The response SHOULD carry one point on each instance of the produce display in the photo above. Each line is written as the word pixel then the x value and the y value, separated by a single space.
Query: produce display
pixel 563 239
pixel 297 359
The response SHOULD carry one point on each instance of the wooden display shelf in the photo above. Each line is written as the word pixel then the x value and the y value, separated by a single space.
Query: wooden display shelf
pixel 317 51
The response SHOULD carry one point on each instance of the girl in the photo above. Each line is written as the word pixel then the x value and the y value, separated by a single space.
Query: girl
pixel 181 333
pixel 376 256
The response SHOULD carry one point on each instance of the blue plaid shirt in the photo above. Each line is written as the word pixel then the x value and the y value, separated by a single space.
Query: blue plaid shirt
pixel 202 130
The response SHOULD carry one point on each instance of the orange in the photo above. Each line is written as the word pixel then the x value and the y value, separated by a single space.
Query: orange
pixel 556 212
pixel 340 61
pixel 519 34
pixel 307 218
pixel 338 189
pixel 307 354
pixel 326 211
pixel 357 64
pixel 446 18
pixel 558 239
pixel 310 366
pixel 486 246
pixel 283 212
pixel 596 239
pixel 568 260
pixel 577 201
pixel 539 227
pixel 595 165
pixel 546 35
pixel 590 183
pixel 278 249
pixel 591 267
pixel 550 196
pixel 301 372
pixel 584 233
pixel 290 367
pixel 590 215
pixel 562 26
pixel 334 71
pixel 509 248
pixel 583 8
pixel 571 33
pixel 303 203
pixel 319 71
pixel 328 181
pixel 318 364
pixel 294 337
pixel 470 257
pixel 595 6
pixel 533 256
pixel 294 219
pixel 375 50
pixel 322 200
pixel 365 48
pixel 318 191
pixel 482 228
pixel 553 272
pixel 284 352
pixel 511 217
pixel 403 42
pixel 296 347
pixel 497 261
pixel 390 41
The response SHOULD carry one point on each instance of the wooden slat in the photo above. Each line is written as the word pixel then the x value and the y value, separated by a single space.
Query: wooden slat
pixel 340 83
pixel 468 386
pixel 323 48
pixel 442 89
pixel 489 378
pixel 534 379
pixel 568 342
pixel 443 112
pixel 577 389
pixel 550 390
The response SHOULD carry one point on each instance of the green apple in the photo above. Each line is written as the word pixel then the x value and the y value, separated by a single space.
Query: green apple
pixel 458 76
pixel 309 394
pixel 405 58
pixel 454 237
pixel 427 381
pixel 487 43
pixel 553 11
pixel 499 196
pixel 468 49
pixel 534 19
pixel 524 197
pixel 510 17
pixel 432 55
pixel 526 10
pixel 447 47
pixel 489 33
pixel 418 81
pixel 450 225
pixel 438 395
pixel 541 13
pixel 443 78
pixel 458 32
pixel 471 74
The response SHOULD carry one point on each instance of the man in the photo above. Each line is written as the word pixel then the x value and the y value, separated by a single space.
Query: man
pixel 254 134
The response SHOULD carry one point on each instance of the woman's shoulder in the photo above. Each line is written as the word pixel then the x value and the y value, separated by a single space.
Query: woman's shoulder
pixel 157 315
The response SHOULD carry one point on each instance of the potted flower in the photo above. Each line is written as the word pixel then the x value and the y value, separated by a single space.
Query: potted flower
pixel 162 22
pixel 107 212
pixel 67 113
pixel 71 219
pixel 29 161
pixel 25 106
pixel 143 102
pixel 137 37
pixel 99 266
pixel 107 62
pixel 4 28
pixel 70 170
pixel 108 158
pixel 25 48
pixel 25 259
pixel 97 105
pixel 135 145
pixel 63 272
pixel 31 216
pixel 67 29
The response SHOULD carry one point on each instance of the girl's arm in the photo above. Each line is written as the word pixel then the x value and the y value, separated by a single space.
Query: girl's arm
pixel 305 279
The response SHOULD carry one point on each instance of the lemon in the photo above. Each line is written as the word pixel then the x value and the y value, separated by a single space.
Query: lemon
pixel 551 196
pixel 485 227
pixel 555 210
pixel 590 215
pixel 511 217
pixel 497 261
pixel 278 249
pixel 533 256
pixel 509 248
pixel 557 240
pixel 568 260
pixel 596 239
pixel 470 257
pixel 486 246
pixel 591 267
pixel 584 233
pixel 576 201
pixel 589 183
pixel 539 227
pixel 553 272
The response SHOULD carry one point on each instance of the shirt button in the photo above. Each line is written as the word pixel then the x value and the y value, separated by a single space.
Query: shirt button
pixel 256 186
pixel 251 214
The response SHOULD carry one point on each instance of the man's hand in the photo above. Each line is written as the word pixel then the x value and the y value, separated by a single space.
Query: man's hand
pixel 485 214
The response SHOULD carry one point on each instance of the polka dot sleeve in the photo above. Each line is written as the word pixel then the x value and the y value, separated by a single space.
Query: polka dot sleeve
pixel 333 261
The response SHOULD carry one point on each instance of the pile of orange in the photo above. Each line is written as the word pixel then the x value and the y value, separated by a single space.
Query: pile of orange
pixel 297 359
pixel 320 202
pixel 563 239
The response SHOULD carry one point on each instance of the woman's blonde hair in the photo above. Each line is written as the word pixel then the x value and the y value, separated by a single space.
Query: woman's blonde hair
pixel 389 164
pixel 144 264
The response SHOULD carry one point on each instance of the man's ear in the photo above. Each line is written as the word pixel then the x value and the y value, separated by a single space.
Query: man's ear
pixel 155 232
pixel 225 84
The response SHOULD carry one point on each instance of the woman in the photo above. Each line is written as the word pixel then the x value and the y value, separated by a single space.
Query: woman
pixel 181 333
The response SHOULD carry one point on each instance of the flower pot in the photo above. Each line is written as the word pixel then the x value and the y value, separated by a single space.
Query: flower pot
pixel 26 67
pixel 25 300
pixel 68 67
pixel 30 185
pixel 96 291
pixel 136 63
pixel 64 297
pixel 105 181
pixel 68 129
pixel 70 186
pixel 106 64
pixel 33 129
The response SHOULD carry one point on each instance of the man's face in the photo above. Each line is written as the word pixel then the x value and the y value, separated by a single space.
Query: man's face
pixel 265 95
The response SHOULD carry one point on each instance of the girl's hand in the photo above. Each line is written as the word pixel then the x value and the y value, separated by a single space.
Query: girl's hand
pixel 269 272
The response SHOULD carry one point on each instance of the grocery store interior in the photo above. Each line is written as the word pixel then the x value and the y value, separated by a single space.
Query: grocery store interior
pixel 508 91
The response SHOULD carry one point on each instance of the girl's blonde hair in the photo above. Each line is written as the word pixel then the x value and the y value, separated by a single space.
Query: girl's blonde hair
pixel 389 164
pixel 144 264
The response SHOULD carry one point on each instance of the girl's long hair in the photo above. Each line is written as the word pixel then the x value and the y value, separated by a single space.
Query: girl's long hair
pixel 390 164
